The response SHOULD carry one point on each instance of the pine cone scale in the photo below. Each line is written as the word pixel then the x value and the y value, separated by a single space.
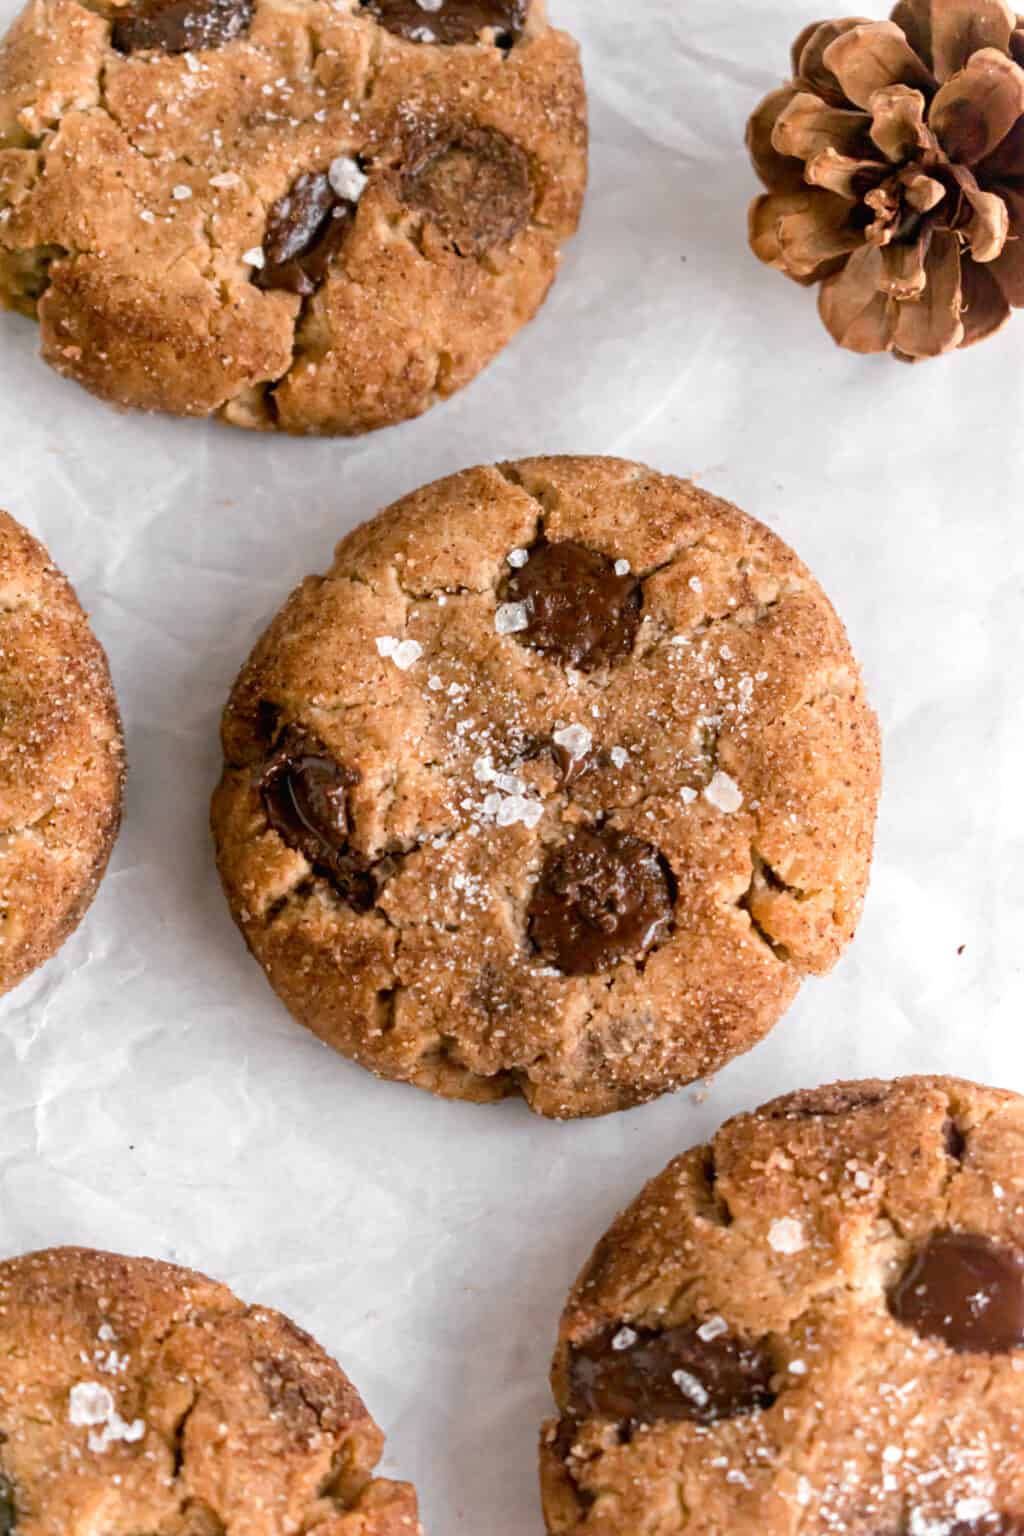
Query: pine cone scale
pixel 961 28
pixel 975 110
pixel 894 162
pixel 869 59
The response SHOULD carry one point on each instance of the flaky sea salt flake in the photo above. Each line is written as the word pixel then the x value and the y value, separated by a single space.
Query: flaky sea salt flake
pixel 254 257
pixel 724 794
pixel 347 178
pixel 517 558
pixel 511 618
pixel 89 1402
pixel 787 1236
pixel 624 1339
pixel 407 654
pixel 574 739
pixel 691 1387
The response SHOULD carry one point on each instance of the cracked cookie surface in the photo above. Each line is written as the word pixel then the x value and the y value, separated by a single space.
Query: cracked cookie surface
pixel 61 757
pixel 813 1325
pixel 156 160
pixel 137 1396
pixel 557 783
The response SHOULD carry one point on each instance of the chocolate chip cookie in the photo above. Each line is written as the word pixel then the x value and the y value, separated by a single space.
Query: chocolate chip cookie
pixel 320 217
pixel 558 783
pixel 137 1396
pixel 61 757
pixel 814 1325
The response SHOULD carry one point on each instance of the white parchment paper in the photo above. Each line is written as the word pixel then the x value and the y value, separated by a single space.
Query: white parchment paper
pixel 155 1097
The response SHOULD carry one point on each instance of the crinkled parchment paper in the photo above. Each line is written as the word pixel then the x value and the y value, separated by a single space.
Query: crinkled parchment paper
pixel 154 1097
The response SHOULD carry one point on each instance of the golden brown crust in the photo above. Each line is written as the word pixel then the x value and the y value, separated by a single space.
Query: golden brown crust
pixel 874 1429
pixel 61 757
pixel 740 668
pixel 133 187
pixel 152 1394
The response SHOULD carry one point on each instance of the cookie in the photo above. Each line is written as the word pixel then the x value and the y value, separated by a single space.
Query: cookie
pixel 61 757
pixel 557 783
pixel 137 1396
pixel 813 1325
pixel 321 217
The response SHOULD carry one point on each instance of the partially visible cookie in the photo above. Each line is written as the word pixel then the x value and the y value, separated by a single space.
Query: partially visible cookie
pixel 320 216
pixel 558 783
pixel 61 757
pixel 139 1397
pixel 814 1325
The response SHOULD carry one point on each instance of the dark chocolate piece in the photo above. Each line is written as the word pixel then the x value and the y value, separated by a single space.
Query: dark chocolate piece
pixel 579 610
pixel 181 26
pixel 476 189
pixel 454 21
pixel 967 1290
pixel 604 896
pixel 699 1373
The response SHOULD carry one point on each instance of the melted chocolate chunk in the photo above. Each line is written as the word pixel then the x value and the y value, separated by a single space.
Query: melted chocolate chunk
pixel 8 1513
pixel 180 26
pixel 647 1378
pixel 604 896
pixel 475 188
pixel 305 229
pixel 305 793
pixel 456 21
pixel 966 1290
pixel 579 611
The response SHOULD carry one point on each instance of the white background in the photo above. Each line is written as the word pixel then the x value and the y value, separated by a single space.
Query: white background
pixel 155 1097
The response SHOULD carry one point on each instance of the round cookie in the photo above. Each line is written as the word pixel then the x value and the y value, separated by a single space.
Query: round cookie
pixel 814 1325
pixel 320 216
pixel 137 1396
pixel 557 783
pixel 61 757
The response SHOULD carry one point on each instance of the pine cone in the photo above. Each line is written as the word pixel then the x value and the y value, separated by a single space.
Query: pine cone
pixel 894 163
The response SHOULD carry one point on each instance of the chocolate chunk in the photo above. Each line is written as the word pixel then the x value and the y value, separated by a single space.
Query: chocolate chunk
pixel 305 229
pixel 455 21
pixel 8 1513
pixel 646 1378
pixel 182 26
pixel 604 896
pixel 475 188
pixel 305 793
pixel 966 1290
pixel 578 611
